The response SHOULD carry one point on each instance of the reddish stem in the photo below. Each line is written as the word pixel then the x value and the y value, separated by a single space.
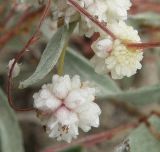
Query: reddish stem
pixel 144 45
pixel 93 19
pixel 93 139
pixel 18 57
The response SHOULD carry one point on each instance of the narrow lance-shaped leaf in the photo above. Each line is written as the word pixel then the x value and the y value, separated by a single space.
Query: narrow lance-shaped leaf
pixel 50 55
pixel 10 134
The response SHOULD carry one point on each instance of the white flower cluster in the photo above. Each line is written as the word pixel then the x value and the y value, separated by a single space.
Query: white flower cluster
pixel 106 11
pixel 111 56
pixel 66 104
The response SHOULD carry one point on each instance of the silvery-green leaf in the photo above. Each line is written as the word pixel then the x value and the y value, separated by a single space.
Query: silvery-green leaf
pixel 10 134
pixel 50 55
pixel 141 139
pixel 140 96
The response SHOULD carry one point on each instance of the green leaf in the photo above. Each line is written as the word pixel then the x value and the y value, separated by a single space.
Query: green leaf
pixel 10 134
pixel 50 55
pixel 75 63
pixel 140 96
pixel 141 139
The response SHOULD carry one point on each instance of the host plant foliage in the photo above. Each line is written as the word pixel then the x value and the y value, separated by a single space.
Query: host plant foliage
pixel 68 103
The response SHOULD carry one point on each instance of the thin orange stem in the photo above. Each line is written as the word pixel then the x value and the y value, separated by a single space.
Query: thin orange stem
pixel 144 45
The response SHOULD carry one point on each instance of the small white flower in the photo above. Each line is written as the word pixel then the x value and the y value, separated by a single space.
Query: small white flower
pixel 114 57
pixel 66 104
pixel 106 11
pixel 123 61
pixel 117 10
pixel 99 65
pixel 124 32
pixel 102 47
pixel 97 9
pixel 16 69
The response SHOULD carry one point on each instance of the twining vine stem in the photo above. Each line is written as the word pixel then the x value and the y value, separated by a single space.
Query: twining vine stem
pixel 32 40
pixel 105 29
